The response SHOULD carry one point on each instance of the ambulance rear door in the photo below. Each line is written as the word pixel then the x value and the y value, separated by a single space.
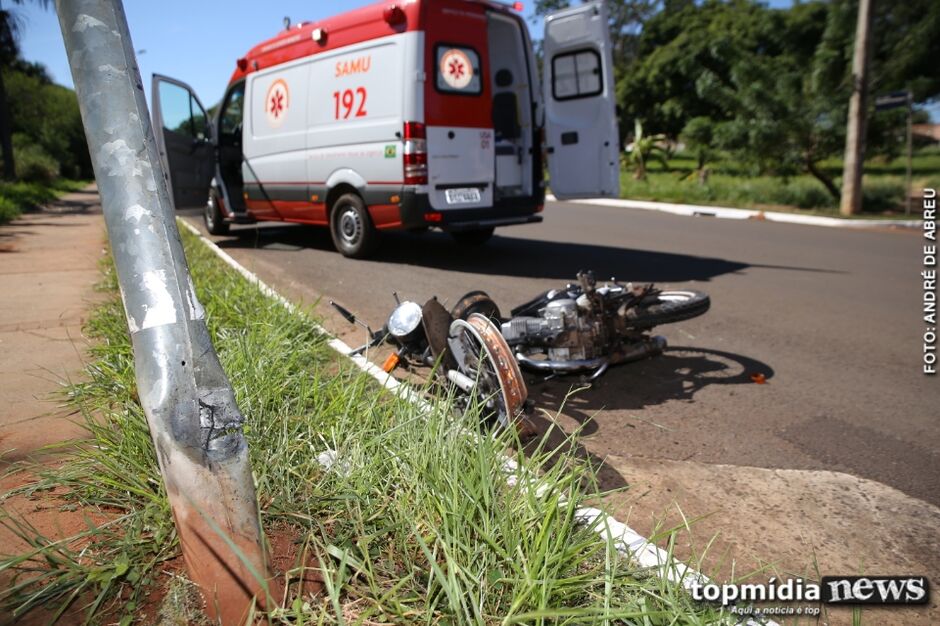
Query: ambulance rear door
pixel 183 132
pixel 580 107
pixel 458 107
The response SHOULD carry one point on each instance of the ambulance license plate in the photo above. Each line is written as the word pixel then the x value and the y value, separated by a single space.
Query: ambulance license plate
pixel 462 195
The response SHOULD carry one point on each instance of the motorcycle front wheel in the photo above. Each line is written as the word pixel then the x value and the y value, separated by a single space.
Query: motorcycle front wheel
pixel 668 307
pixel 488 369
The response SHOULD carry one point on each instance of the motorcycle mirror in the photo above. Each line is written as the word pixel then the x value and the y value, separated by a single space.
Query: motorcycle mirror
pixel 346 313
pixel 350 317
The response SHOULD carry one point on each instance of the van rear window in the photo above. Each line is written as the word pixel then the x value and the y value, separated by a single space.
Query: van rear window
pixel 576 75
pixel 458 70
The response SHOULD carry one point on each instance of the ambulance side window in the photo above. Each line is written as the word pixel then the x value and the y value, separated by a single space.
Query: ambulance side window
pixel 576 74
pixel 181 112
pixel 230 121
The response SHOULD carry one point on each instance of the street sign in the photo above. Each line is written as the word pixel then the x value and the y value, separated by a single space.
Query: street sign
pixel 896 100
pixel 892 100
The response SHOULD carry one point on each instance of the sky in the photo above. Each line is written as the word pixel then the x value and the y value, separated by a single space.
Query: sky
pixel 198 41
pixel 195 41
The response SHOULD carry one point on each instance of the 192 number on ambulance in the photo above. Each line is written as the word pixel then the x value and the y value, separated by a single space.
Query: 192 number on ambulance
pixel 347 101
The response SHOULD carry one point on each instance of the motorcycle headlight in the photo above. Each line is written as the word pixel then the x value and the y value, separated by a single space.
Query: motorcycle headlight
pixel 404 320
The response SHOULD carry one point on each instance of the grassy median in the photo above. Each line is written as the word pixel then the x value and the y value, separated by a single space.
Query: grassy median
pixel 414 522
pixel 730 184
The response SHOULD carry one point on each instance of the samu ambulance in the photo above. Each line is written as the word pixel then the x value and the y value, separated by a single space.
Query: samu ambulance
pixel 400 115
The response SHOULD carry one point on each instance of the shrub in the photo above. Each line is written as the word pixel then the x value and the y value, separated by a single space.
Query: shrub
pixel 8 210
pixel 803 193
pixel 27 195
pixel 33 164
pixel 882 195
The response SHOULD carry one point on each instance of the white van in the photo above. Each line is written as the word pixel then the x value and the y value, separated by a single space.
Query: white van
pixel 400 115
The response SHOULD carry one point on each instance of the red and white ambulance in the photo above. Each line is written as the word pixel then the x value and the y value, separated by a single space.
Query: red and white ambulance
pixel 400 115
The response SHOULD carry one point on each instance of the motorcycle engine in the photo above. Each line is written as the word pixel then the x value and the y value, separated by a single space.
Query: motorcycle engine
pixel 562 328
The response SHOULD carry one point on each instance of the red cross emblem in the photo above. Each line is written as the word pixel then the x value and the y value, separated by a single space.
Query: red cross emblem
pixel 456 68
pixel 278 102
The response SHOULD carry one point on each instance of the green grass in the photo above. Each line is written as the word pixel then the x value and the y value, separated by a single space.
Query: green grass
pixel 729 185
pixel 416 523
pixel 19 197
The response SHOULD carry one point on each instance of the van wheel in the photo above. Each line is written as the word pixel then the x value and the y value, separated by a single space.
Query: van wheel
pixel 473 237
pixel 212 215
pixel 351 227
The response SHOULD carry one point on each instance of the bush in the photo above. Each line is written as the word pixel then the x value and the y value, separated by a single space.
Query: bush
pixel 16 198
pixel 47 115
pixel 882 195
pixel 803 193
pixel 8 210
pixel 35 165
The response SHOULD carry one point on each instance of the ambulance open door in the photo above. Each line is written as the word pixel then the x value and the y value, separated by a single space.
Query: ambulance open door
pixel 184 140
pixel 580 107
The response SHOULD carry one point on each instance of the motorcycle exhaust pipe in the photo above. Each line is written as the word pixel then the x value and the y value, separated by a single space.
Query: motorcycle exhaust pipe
pixel 651 347
pixel 561 367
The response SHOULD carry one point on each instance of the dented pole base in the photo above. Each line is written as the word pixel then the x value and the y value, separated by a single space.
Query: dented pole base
pixel 231 587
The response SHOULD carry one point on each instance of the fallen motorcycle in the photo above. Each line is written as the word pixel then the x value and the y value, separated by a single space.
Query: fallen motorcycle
pixel 468 355
pixel 585 327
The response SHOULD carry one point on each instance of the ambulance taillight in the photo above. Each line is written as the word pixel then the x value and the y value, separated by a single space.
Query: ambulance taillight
pixel 415 154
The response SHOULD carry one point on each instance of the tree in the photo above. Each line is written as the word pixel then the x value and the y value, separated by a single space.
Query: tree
pixel 46 122
pixel 626 23
pixel 9 53
pixel 643 148
pixel 681 43
pixel 699 138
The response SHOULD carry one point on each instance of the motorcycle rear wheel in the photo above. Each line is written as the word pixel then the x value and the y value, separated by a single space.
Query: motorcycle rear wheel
pixel 668 307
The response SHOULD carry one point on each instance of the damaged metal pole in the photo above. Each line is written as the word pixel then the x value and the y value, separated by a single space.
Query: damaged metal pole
pixel 190 407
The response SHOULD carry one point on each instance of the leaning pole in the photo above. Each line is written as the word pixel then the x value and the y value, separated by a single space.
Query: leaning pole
pixel 190 407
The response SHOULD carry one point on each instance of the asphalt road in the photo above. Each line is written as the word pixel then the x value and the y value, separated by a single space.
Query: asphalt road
pixel 830 317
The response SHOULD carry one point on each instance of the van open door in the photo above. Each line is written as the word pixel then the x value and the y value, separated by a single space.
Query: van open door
pixel 580 106
pixel 183 132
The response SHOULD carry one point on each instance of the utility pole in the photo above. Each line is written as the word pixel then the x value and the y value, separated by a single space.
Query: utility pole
pixel 190 407
pixel 854 161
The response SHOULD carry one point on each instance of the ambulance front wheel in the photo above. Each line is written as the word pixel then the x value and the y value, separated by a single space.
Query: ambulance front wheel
pixel 215 221
pixel 473 237
pixel 351 227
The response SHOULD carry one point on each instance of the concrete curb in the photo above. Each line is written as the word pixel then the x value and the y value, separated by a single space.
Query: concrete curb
pixel 695 210
pixel 628 541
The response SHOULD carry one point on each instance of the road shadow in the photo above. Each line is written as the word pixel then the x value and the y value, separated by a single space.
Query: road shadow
pixel 43 223
pixel 508 256
pixel 678 374
pixel 557 446
pixel 88 204
pixel 70 206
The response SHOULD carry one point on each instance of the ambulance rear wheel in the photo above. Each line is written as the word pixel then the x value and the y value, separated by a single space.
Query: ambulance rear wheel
pixel 351 227
pixel 212 215
pixel 473 237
